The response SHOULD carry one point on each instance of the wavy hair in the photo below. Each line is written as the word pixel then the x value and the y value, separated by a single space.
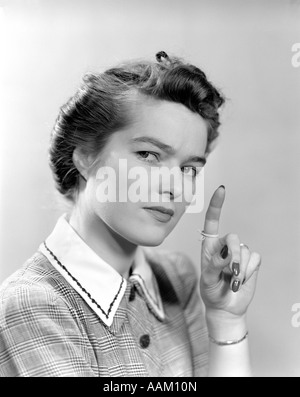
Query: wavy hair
pixel 100 107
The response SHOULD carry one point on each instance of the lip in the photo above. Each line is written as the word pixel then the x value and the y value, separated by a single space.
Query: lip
pixel 159 215
pixel 163 210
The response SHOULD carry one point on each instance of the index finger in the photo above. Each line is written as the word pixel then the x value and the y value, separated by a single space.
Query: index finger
pixel 213 213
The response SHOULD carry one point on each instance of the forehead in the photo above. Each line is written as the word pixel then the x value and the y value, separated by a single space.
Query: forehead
pixel 170 122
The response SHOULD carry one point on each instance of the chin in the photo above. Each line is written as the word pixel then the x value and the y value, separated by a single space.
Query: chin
pixel 148 243
pixel 148 239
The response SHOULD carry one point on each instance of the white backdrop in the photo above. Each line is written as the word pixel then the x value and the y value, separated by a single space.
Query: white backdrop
pixel 245 48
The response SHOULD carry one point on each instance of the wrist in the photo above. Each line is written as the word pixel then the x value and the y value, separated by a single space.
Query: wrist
pixel 224 326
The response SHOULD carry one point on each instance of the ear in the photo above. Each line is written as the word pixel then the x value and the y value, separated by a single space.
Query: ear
pixel 82 162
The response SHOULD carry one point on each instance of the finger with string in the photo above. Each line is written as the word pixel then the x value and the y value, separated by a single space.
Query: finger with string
pixel 219 255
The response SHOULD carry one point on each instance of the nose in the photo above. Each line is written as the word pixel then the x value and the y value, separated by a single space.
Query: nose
pixel 171 184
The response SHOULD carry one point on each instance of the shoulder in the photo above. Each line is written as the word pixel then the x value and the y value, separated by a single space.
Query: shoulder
pixel 40 334
pixel 177 262
pixel 29 289
pixel 178 267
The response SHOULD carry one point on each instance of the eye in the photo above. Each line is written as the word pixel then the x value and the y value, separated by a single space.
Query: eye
pixel 191 171
pixel 145 156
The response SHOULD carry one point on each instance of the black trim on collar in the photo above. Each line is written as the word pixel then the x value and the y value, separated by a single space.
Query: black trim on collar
pixel 82 288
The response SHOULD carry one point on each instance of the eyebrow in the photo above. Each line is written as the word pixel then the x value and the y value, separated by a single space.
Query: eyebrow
pixel 166 148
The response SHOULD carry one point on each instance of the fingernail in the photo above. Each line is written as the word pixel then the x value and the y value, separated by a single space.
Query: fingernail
pixel 235 285
pixel 236 268
pixel 224 252
pixel 222 186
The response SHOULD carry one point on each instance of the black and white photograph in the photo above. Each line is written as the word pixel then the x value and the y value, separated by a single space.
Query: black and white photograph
pixel 150 190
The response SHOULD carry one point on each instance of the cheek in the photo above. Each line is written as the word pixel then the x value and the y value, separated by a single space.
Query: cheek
pixel 135 185
pixel 120 217
pixel 138 187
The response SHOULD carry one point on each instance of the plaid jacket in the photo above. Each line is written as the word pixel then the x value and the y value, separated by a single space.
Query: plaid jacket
pixel 47 329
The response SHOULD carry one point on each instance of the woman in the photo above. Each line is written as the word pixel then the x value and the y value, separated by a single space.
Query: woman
pixel 95 299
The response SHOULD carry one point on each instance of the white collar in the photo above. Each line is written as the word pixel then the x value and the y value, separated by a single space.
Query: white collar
pixel 98 283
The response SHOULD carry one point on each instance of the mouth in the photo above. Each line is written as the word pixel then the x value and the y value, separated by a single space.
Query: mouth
pixel 160 214
pixel 163 210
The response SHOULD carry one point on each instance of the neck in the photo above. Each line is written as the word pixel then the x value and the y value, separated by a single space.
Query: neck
pixel 111 247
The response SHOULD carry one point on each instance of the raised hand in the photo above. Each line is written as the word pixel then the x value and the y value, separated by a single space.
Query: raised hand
pixel 228 268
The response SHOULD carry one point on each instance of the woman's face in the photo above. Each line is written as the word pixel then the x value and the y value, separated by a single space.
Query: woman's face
pixel 162 134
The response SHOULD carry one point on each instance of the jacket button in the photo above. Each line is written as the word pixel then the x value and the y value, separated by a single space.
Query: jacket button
pixel 145 341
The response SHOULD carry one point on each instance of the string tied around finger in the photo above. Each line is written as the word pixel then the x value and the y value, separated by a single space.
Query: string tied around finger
pixel 206 235
pixel 244 245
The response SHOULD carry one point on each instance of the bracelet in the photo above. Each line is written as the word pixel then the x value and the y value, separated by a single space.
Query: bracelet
pixel 227 342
